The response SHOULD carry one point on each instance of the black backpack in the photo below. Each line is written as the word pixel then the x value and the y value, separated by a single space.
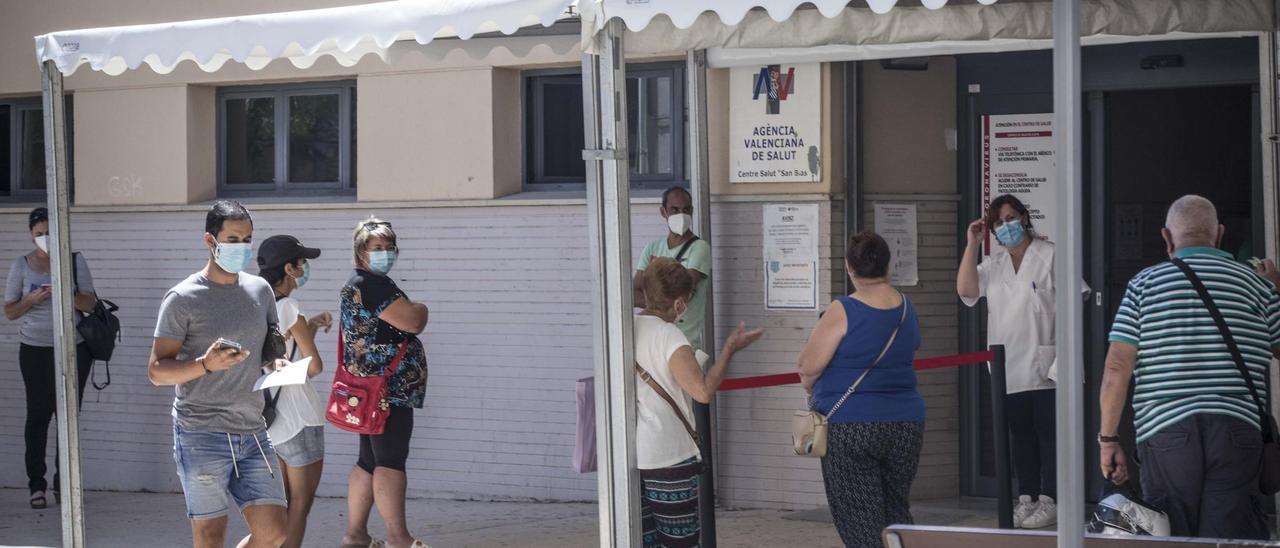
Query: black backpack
pixel 100 329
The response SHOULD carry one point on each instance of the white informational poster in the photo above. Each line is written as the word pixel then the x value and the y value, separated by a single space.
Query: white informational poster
pixel 775 123
pixel 896 223
pixel 1017 159
pixel 791 256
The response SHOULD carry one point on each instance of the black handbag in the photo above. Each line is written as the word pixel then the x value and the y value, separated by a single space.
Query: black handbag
pixel 1269 481
pixel 100 329
pixel 273 348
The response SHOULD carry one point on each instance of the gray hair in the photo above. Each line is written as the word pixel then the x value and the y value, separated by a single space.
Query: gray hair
pixel 1192 220
pixel 366 230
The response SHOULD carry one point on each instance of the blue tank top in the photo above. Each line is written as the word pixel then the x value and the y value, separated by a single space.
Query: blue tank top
pixel 889 393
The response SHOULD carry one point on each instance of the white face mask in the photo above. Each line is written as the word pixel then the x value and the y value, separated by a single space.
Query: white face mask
pixel 679 223
pixel 42 243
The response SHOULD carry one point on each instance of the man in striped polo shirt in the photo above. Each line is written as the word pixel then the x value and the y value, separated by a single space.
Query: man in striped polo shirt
pixel 1198 431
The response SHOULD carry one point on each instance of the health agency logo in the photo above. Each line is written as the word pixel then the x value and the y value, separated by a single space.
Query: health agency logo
pixel 774 85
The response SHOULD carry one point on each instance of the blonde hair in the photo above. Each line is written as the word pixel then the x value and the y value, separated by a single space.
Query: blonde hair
pixel 366 230
pixel 665 280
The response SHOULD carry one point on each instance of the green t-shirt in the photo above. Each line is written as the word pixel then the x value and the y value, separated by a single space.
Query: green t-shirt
pixel 698 258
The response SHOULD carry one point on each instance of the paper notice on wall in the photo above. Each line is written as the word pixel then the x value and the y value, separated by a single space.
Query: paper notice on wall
pixel 896 223
pixel 775 127
pixel 791 256
pixel 1017 159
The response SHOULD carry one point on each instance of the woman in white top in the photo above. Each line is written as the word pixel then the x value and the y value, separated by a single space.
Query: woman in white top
pixel 666 452
pixel 1017 280
pixel 297 433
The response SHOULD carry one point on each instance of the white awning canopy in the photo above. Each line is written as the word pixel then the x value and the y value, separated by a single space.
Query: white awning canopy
pixel 682 13
pixel 660 26
pixel 345 33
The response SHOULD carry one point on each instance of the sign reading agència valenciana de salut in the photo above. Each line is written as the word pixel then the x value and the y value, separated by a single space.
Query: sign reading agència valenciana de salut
pixel 775 123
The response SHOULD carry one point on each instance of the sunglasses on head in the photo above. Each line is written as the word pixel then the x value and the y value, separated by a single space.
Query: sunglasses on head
pixel 375 224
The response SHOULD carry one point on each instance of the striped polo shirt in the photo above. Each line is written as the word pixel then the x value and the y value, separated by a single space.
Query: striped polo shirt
pixel 1184 367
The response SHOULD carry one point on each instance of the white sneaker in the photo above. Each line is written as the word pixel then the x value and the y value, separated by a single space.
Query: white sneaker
pixel 1046 514
pixel 1024 509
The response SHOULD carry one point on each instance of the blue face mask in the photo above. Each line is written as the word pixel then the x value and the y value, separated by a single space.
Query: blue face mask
pixel 306 273
pixel 1011 233
pixel 381 261
pixel 233 258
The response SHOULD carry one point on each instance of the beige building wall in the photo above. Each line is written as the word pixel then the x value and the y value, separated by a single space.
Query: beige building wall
pixel 428 136
pixel 136 147
pixel 906 116
pixel 23 20
pixel 906 160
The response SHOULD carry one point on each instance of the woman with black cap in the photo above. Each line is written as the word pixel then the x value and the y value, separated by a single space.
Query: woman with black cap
pixel 26 297
pixel 297 430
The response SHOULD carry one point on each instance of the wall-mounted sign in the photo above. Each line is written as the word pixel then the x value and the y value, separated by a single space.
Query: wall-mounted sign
pixel 896 223
pixel 775 124
pixel 791 256
pixel 1017 159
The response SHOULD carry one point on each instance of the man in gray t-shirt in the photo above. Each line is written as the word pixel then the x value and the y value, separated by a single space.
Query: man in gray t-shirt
pixel 208 341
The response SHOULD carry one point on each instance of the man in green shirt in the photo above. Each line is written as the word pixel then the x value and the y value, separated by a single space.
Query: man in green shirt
pixel 692 252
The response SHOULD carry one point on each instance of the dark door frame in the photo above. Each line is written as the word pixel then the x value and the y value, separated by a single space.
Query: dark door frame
pixel 1020 82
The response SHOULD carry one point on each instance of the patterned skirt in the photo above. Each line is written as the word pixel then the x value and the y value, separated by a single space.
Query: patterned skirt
pixel 669 505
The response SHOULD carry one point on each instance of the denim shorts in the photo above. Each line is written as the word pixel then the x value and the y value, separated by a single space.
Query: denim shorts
pixel 305 447
pixel 212 465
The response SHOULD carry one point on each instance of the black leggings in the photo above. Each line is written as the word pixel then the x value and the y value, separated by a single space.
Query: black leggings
pixel 1032 423
pixel 390 449
pixel 38 375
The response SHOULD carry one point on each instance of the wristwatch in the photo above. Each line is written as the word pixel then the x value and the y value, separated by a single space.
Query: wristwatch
pixel 1108 439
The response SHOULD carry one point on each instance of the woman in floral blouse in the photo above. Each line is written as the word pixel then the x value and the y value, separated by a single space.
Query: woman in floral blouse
pixel 379 322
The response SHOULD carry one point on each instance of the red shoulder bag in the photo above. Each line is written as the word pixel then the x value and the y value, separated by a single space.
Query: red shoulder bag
pixel 359 404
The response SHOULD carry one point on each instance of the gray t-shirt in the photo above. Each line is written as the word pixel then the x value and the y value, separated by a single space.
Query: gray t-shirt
pixel 37 323
pixel 197 312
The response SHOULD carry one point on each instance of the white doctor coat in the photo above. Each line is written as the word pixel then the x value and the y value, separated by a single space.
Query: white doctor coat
pixel 1020 314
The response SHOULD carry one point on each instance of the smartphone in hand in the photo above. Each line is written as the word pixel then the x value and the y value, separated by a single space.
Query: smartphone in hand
pixel 224 344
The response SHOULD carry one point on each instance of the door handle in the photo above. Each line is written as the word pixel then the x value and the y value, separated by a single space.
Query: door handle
pixel 1097 298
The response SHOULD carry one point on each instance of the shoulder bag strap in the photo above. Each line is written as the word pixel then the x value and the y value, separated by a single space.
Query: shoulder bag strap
pixel 684 248
pixel 1230 340
pixel 662 392
pixel 395 362
pixel 390 370
pixel 863 376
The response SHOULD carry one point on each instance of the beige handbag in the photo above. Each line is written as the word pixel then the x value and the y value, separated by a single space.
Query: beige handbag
pixel 809 428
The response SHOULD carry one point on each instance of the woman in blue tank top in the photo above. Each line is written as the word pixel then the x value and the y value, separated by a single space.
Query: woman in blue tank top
pixel 875 434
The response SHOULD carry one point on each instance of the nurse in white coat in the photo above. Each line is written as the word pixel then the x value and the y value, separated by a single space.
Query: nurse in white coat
pixel 1017 281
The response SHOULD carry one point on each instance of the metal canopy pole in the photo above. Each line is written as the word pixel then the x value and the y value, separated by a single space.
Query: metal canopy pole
pixel 55 161
pixel 700 186
pixel 609 216
pixel 1068 272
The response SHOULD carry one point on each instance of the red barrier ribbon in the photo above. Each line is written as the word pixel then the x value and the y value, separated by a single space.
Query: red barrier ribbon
pixel 765 381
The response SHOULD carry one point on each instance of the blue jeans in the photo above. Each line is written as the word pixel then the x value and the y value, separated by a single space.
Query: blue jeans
pixel 213 464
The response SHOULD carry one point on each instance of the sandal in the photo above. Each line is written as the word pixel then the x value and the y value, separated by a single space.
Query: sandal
pixel 38 502
pixel 418 544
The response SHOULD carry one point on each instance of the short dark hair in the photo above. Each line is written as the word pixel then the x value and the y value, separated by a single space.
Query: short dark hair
pixel 867 255
pixel 223 211
pixel 276 274
pixel 37 216
pixel 667 193
pixel 993 211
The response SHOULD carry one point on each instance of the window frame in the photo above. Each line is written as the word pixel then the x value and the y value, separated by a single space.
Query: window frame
pixel 18 107
pixel 281 95
pixel 533 151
